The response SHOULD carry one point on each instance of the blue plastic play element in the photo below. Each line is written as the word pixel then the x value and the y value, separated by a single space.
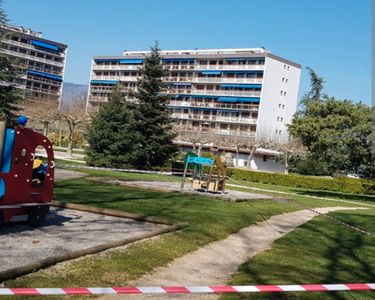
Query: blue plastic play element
pixel 22 120
pixel 200 160
pixel 2 188
pixel 43 169
pixel 8 149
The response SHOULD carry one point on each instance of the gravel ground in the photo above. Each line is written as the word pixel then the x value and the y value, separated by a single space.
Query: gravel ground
pixel 175 187
pixel 65 231
pixel 215 263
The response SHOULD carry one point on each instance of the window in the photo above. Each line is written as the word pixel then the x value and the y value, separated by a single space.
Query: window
pixel 281 119
pixel 264 157
pixel 281 93
pixel 212 62
pixel 279 105
pixel 286 80
pixel 284 93
pixel 283 79
pixel 283 105
pixel 278 118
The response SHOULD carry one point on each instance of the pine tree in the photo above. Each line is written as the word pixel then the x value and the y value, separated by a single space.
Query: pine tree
pixel 109 136
pixel 10 96
pixel 153 123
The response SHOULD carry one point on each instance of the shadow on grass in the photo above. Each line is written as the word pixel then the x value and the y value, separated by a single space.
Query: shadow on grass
pixel 318 252
pixel 338 195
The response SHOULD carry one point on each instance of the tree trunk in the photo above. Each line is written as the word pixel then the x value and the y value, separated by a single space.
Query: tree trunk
pixel 237 155
pixel 286 165
pixel 250 158
pixel 70 139
pixel 199 149
pixel 60 133
pixel 45 128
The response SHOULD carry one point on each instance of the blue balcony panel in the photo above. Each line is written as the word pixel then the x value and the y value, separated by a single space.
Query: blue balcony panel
pixel 45 45
pixel 211 72
pixel 244 86
pixel 131 61
pixel 242 72
pixel 113 82
pixel 239 99
pixel 178 59
pixel 182 83
pixel 42 74
pixel 243 58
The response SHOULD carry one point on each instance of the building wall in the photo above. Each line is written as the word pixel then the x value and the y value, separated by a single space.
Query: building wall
pixel 279 99
pixel 43 62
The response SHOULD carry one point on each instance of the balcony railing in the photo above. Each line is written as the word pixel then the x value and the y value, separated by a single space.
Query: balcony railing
pixel 216 118
pixel 178 79
pixel 116 67
pixel 226 80
pixel 247 107
pixel 121 78
pixel 229 67
pixel 31 47
pixel 32 58
pixel 226 93
pixel 32 88
pixel 216 131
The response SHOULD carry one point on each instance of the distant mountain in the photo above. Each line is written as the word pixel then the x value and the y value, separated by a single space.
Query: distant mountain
pixel 72 91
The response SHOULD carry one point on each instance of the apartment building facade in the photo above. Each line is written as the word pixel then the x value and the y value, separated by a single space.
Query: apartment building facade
pixel 42 62
pixel 244 93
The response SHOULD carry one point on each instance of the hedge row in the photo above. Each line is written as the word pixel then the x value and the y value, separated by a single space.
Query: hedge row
pixel 338 184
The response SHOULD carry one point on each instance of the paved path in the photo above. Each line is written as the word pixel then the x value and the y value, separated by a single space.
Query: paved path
pixel 215 263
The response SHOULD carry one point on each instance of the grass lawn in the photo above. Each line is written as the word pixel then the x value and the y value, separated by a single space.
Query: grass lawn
pixel 317 252
pixel 209 220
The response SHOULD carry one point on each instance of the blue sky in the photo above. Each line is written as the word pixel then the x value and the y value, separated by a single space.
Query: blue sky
pixel 331 36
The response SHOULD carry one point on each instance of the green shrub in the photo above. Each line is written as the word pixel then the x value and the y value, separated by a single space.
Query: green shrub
pixel 339 184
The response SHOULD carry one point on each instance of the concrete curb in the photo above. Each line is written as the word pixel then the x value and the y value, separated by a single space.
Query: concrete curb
pixel 52 260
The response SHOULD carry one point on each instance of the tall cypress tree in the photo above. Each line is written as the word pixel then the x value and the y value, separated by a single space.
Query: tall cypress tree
pixel 109 135
pixel 152 121
pixel 10 96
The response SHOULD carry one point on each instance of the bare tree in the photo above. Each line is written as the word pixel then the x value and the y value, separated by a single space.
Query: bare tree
pixel 292 147
pixel 74 114
pixel 198 139
pixel 44 112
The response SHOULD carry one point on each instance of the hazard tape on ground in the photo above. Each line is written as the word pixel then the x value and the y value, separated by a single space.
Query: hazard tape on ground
pixel 189 289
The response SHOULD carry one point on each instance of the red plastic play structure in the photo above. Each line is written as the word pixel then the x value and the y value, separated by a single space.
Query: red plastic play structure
pixel 22 196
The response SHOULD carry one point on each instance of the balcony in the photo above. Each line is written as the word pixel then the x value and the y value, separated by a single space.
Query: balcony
pixel 98 99
pixel 44 80
pixel 120 78
pixel 32 58
pixel 178 67
pixel 216 131
pixel 40 90
pixel 229 67
pixel 247 107
pixel 226 80
pixel 31 47
pixel 178 79
pixel 217 118
pixel 121 67
pixel 226 93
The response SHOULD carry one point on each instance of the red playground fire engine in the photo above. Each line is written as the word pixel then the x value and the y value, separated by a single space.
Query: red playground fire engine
pixel 26 183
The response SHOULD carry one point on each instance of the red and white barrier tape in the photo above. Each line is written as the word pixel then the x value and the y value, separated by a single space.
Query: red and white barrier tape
pixel 189 289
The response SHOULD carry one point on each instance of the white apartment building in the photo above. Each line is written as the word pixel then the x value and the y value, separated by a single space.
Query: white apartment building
pixel 246 93
pixel 42 62
pixel 237 92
